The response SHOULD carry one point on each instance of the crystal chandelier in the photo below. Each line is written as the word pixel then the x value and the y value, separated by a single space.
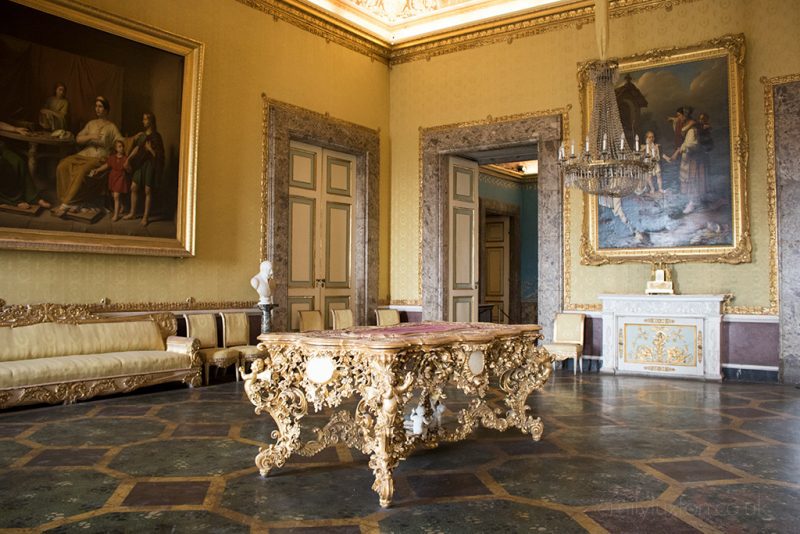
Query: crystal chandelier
pixel 607 165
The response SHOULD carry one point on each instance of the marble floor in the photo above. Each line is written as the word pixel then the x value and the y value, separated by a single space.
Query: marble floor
pixel 618 455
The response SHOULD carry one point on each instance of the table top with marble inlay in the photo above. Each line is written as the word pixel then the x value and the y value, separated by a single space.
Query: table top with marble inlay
pixel 403 335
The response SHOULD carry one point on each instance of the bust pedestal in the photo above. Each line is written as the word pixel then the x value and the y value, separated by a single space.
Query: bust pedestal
pixel 664 335
pixel 266 317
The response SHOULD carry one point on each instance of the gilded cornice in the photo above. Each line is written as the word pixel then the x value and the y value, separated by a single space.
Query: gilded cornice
pixel 576 13
pixel 317 23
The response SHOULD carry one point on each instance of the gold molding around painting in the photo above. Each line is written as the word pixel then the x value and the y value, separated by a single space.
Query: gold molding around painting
pixel 192 53
pixel 731 47
pixel 727 307
pixel 332 29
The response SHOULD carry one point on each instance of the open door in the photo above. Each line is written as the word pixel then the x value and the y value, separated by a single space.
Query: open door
pixel 463 300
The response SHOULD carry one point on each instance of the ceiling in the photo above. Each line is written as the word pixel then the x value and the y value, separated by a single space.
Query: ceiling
pixel 518 161
pixel 503 155
pixel 394 22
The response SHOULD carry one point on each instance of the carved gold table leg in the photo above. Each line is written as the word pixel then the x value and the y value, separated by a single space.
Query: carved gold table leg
pixel 287 405
pixel 531 373
pixel 287 440
pixel 386 400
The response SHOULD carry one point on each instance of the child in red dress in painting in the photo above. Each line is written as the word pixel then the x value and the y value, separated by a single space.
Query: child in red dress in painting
pixel 118 179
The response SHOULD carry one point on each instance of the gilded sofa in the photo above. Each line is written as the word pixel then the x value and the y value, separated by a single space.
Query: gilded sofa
pixel 52 353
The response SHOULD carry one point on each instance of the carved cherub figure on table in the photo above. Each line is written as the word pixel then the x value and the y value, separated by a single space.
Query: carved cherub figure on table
pixel 660 282
pixel 264 283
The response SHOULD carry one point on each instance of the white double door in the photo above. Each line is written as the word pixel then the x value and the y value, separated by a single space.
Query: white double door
pixel 321 226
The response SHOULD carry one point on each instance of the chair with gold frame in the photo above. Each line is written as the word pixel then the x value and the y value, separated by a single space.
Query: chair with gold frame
pixel 310 320
pixel 387 317
pixel 203 327
pixel 568 339
pixel 341 319
pixel 236 335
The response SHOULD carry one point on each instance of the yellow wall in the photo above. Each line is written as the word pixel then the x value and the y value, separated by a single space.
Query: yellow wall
pixel 539 73
pixel 247 53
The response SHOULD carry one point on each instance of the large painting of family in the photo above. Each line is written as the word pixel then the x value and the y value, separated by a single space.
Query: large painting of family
pixel 687 113
pixel 90 129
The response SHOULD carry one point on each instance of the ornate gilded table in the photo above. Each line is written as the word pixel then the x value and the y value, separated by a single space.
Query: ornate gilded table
pixel 387 367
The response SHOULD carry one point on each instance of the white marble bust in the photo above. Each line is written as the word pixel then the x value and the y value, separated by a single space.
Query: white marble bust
pixel 262 282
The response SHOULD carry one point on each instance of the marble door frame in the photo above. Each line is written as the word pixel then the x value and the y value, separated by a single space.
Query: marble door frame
pixel 283 123
pixel 440 142
pixel 782 99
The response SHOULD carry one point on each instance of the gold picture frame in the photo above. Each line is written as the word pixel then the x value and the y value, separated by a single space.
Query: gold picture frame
pixel 695 208
pixel 140 71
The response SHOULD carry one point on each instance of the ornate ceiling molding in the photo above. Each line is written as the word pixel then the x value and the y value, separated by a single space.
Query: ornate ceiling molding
pixel 575 13
pixel 322 25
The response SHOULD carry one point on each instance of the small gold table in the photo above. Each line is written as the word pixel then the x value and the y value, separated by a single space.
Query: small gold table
pixel 386 367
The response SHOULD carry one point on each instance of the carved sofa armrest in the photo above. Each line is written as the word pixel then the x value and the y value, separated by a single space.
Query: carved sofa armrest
pixel 186 345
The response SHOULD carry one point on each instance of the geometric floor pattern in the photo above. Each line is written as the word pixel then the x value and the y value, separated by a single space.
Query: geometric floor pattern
pixel 618 454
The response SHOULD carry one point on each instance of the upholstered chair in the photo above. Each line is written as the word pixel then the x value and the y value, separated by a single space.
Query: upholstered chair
pixel 310 320
pixel 387 317
pixel 341 319
pixel 203 327
pixel 236 335
pixel 567 339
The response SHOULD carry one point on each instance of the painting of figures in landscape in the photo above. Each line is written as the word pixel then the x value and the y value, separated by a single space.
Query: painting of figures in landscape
pixel 685 113
pixel 91 131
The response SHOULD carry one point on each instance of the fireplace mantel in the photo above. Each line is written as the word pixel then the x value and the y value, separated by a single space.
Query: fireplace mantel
pixel 663 335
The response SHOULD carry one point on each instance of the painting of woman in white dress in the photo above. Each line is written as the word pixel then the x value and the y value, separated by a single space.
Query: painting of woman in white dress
pixel 693 203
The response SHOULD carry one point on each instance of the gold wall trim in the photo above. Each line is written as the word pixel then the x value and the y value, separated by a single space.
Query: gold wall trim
pixel 772 189
pixel 87 311
pixel 576 13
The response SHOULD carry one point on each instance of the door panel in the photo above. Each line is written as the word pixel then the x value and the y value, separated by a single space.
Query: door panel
pixel 463 223
pixel 338 248
pixel 463 261
pixel 303 166
pixel 496 266
pixel 340 176
pixel 494 272
pixel 462 309
pixel 302 213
